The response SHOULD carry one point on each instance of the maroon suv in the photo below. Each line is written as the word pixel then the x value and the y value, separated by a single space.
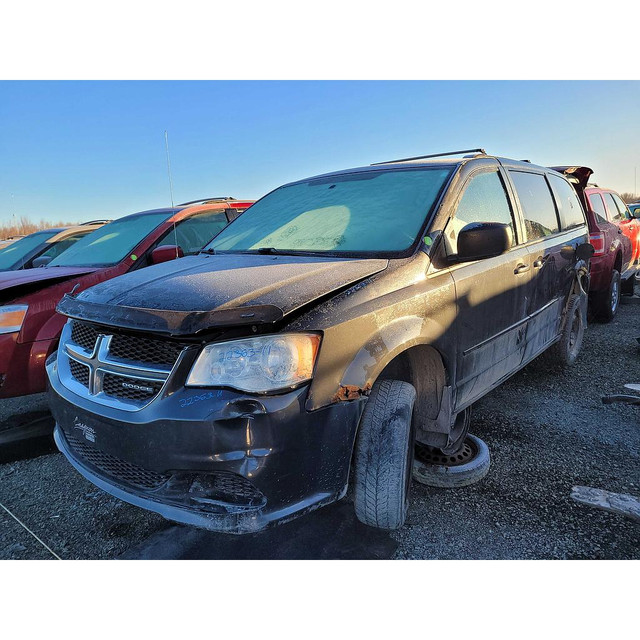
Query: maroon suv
pixel 29 325
pixel 613 267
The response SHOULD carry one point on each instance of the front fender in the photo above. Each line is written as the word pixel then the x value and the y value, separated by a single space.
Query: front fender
pixel 343 374
pixel 382 348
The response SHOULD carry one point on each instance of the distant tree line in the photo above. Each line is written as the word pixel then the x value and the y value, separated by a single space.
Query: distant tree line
pixel 630 197
pixel 24 226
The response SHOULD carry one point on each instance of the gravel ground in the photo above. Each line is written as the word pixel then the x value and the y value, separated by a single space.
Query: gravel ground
pixel 13 410
pixel 547 432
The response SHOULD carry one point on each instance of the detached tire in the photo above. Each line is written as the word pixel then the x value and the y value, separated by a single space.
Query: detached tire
pixel 610 302
pixel 565 352
pixel 384 455
pixel 452 473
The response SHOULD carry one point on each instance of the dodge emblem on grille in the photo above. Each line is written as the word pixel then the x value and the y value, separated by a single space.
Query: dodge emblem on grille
pixel 115 380
pixel 137 387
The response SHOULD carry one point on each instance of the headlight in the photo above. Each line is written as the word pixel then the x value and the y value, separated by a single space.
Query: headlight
pixel 259 365
pixel 12 317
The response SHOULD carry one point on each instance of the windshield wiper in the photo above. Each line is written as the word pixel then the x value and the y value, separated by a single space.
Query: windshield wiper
pixel 211 252
pixel 271 250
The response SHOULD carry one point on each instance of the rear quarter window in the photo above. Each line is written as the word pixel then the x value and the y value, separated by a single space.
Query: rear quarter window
pixel 569 207
pixel 538 207
pixel 595 201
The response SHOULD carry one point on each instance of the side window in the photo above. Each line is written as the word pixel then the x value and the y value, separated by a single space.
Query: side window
pixel 195 232
pixel 622 207
pixel 569 207
pixel 598 207
pixel 538 208
pixel 614 212
pixel 484 200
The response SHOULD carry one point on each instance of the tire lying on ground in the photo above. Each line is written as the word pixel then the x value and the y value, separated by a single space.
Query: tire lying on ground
pixel 436 469
pixel 384 455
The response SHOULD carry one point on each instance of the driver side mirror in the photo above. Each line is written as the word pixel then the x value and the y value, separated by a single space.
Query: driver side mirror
pixel 479 240
pixel 165 253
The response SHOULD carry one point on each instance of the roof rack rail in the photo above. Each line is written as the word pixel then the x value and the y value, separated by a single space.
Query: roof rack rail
pixel 100 221
pixel 222 199
pixel 433 155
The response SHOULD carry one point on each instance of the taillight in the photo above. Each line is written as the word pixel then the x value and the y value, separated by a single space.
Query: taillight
pixel 597 240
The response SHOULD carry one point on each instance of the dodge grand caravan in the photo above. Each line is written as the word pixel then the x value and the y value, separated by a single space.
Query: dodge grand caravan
pixel 339 322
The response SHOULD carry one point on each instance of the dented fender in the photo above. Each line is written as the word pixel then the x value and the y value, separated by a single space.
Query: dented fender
pixel 369 336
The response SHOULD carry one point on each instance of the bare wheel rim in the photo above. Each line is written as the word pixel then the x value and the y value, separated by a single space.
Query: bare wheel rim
pixel 615 295
pixel 433 456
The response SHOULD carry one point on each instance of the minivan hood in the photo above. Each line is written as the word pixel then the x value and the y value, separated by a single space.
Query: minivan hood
pixel 196 293
pixel 43 275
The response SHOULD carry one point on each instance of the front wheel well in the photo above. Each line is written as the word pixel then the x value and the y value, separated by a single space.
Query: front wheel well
pixel 423 367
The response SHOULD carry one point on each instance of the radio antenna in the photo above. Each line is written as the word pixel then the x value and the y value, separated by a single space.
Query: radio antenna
pixel 166 146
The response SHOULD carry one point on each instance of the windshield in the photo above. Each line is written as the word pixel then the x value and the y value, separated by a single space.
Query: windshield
pixel 20 249
pixel 62 245
pixel 369 212
pixel 110 244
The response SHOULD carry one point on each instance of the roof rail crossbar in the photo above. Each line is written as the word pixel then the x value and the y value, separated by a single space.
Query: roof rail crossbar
pixel 433 155
pixel 184 204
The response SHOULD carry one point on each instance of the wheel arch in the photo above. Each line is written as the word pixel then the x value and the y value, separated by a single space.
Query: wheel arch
pixel 410 355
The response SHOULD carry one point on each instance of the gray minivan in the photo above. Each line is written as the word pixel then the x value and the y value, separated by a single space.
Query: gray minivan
pixel 339 325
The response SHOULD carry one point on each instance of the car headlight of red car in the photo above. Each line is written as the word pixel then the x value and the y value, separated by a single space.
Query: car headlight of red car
pixel 12 317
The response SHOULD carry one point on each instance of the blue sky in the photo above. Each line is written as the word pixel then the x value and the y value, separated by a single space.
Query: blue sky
pixel 81 150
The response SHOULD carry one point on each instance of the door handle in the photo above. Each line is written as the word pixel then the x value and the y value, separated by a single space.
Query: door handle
pixel 538 263
pixel 521 268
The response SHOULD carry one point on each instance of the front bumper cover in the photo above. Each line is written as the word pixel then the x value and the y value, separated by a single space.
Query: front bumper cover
pixel 286 461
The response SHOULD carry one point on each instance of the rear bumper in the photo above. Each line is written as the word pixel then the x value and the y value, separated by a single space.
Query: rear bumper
pixel 216 459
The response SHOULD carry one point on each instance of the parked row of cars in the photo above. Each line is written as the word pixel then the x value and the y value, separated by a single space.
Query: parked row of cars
pixel 337 332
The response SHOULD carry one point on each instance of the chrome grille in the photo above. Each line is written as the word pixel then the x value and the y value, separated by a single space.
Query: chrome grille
pixel 119 370
pixel 145 350
pixel 112 385
pixel 80 372
pixel 109 465
pixel 84 335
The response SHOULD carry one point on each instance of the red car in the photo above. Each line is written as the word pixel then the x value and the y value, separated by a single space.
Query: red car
pixel 29 325
pixel 614 234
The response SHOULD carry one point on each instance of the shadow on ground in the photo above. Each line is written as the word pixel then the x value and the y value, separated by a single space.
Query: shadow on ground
pixel 331 533
pixel 26 436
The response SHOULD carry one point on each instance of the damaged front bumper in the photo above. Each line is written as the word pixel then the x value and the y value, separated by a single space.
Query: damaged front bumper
pixel 217 458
